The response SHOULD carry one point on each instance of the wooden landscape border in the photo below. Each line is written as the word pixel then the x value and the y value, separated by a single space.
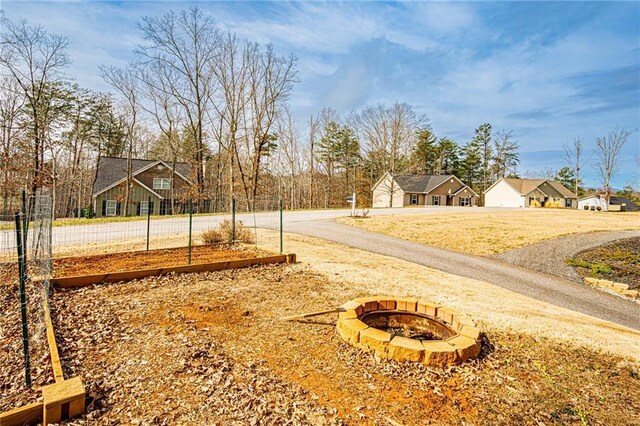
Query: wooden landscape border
pixel 54 395
pixel 66 391
pixel 87 280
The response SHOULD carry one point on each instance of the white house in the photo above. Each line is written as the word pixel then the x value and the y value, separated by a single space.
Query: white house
pixel 598 203
pixel 422 190
pixel 507 192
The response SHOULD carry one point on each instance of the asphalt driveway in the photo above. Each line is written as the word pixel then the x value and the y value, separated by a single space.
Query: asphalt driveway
pixel 537 285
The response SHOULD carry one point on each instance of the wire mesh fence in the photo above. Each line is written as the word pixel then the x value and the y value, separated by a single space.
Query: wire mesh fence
pixel 82 236
pixel 24 291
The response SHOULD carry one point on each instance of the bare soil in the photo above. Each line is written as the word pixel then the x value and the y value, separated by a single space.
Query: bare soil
pixel 136 260
pixel 482 232
pixel 621 260
pixel 210 349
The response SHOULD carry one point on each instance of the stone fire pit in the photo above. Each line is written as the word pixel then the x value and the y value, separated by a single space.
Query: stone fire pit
pixel 407 329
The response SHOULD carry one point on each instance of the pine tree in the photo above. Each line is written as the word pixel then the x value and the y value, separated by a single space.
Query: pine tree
pixel 425 154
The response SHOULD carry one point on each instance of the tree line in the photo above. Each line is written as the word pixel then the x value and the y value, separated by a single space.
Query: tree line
pixel 197 94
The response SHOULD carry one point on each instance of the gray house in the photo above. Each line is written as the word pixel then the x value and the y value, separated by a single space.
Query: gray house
pixel 422 190
pixel 150 179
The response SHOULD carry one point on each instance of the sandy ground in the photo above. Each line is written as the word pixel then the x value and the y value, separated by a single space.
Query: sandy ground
pixel 486 233
pixel 368 273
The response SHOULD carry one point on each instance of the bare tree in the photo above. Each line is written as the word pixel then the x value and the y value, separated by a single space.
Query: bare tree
pixel 35 58
pixel 505 151
pixel 187 45
pixel 608 150
pixel 388 136
pixel 11 118
pixel 574 155
pixel 313 130
pixel 232 74
pixel 155 88
pixel 124 80
pixel 271 79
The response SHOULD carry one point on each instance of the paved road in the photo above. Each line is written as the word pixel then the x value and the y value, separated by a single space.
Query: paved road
pixel 547 288
pixel 549 255
pixel 97 233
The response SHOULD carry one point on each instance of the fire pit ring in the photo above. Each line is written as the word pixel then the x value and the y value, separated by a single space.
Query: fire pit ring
pixel 408 329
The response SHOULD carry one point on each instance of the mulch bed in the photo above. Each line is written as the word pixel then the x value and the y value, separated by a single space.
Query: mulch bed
pixel 136 260
pixel 622 257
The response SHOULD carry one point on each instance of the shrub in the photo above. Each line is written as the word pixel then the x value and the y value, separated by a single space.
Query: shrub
pixel 224 234
pixel 534 203
pixel 552 204
pixel 596 268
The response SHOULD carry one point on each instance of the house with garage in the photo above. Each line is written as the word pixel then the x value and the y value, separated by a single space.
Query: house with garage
pixel 598 202
pixel 155 187
pixel 422 190
pixel 508 192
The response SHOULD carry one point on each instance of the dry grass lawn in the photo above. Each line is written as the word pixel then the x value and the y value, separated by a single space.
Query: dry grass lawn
pixel 482 232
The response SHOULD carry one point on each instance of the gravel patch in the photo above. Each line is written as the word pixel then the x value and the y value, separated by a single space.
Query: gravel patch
pixel 548 256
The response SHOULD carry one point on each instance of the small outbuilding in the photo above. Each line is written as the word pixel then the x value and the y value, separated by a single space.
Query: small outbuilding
pixel 508 192
pixel 422 190
pixel 598 202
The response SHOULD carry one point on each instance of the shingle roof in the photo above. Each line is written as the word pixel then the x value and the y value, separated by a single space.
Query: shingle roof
pixel 562 189
pixel 617 201
pixel 112 169
pixel 420 183
pixel 525 186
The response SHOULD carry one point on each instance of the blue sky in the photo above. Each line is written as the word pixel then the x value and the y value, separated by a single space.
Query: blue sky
pixel 549 71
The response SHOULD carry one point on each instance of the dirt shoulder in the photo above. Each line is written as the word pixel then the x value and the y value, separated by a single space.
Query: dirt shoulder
pixel 491 232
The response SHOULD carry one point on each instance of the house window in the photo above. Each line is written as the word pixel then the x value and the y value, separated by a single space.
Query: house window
pixel 567 202
pixel 435 200
pixel 161 183
pixel 111 208
pixel 144 208
pixel 414 199
pixel 465 201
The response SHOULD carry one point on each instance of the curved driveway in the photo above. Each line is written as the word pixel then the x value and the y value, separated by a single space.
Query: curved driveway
pixel 549 255
pixel 554 290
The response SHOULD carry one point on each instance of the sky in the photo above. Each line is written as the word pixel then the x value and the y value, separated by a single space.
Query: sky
pixel 548 71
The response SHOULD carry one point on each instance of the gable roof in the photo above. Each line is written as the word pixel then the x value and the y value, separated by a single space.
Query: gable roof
pixel 112 170
pixel 525 186
pixel 566 192
pixel 422 183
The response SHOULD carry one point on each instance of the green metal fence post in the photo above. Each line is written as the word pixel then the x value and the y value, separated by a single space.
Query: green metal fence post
pixel 190 226
pixel 22 271
pixel 281 250
pixel 148 221
pixel 233 220
pixel 25 225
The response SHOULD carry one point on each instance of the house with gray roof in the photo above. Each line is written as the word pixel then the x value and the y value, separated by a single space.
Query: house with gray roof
pixel 508 192
pixel 422 190
pixel 155 187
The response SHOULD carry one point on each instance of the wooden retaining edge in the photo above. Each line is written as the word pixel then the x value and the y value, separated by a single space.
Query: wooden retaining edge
pixel 87 280
pixel 58 375
pixel 27 414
